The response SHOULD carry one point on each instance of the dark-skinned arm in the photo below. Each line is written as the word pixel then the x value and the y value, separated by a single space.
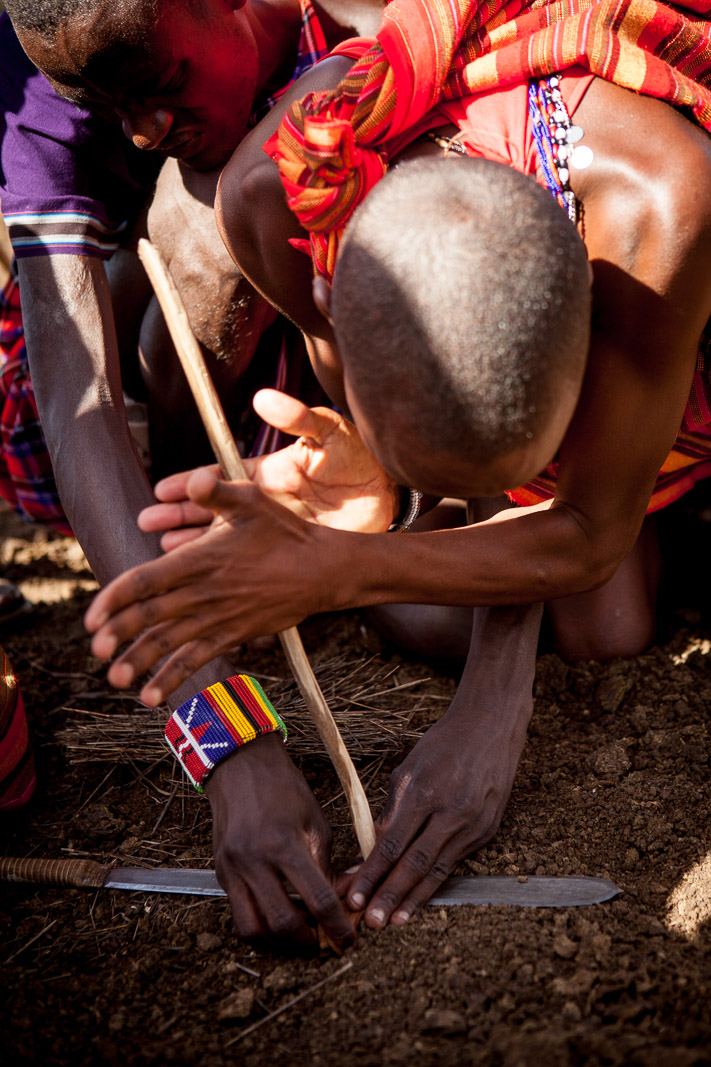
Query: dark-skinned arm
pixel 256 225
pixel 75 371
pixel 647 231
pixel 648 237
pixel 477 743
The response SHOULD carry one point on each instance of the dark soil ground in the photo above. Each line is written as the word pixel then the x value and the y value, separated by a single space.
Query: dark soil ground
pixel 613 782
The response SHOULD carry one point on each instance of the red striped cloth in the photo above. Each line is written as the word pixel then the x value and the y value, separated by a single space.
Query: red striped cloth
pixel 689 460
pixel 17 768
pixel 332 147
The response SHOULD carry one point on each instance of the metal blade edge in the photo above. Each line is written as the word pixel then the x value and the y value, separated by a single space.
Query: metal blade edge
pixel 538 891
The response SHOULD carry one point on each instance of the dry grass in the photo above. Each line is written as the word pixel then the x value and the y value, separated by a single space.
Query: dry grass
pixel 372 710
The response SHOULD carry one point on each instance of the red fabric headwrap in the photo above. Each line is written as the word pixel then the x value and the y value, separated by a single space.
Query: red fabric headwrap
pixel 332 147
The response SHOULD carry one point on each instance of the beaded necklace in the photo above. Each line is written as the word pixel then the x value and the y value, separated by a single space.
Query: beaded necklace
pixel 557 141
pixel 449 144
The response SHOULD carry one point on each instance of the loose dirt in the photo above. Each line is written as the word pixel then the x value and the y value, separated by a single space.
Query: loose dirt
pixel 613 782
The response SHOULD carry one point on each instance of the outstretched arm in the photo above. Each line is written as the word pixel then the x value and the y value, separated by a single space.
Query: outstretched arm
pixel 75 371
pixel 74 362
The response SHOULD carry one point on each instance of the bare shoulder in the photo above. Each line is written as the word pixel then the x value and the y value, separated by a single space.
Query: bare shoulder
pixel 253 216
pixel 250 184
pixel 651 164
pixel 646 218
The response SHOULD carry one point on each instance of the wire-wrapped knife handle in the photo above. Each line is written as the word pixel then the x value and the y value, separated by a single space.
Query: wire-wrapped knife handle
pixel 84 874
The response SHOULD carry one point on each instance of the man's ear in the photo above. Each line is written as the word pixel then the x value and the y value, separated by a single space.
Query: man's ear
pixel 321 291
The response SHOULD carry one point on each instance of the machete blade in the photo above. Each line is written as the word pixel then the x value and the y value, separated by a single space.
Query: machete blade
pixel 534 892
pixel 538 891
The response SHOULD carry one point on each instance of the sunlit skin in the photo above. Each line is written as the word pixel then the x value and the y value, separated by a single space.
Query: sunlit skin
pixel 647 229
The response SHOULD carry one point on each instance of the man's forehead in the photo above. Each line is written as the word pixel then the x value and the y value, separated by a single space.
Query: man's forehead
pixel 105 41
pixel 99 52
pixel 120 66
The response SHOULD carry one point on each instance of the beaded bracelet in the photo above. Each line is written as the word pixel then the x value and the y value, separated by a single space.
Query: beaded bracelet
pixel 401 525
pixel 218 720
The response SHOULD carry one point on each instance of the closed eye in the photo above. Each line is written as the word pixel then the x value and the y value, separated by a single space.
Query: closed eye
pixel 153 88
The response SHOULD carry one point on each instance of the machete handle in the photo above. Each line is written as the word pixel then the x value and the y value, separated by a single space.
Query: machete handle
pixel 84 874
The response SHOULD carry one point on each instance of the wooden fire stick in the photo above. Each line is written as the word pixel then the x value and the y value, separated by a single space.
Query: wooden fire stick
pixel 230 461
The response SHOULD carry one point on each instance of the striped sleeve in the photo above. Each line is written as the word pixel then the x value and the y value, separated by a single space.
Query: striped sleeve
pixel 75 232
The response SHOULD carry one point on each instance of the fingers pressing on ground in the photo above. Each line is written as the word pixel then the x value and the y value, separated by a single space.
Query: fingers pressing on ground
pixel 323 903
pixel 404 873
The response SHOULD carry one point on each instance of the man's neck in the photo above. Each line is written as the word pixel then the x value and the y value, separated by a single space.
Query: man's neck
pixel 276 25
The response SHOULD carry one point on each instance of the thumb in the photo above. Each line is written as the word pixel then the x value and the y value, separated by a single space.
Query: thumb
pixel 293 417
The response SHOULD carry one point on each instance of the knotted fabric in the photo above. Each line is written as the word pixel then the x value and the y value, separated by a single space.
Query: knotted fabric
pixel 332 147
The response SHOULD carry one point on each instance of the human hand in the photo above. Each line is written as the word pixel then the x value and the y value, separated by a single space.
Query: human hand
pixel 257 570
pixel 177 517
pixel 268 828
pixel 327 476
pixel 445 801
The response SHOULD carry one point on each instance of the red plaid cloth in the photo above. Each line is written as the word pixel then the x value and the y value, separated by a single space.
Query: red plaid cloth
pixel 26 476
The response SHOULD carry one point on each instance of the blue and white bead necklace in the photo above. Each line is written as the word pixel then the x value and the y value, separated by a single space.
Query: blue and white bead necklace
pixel 557 140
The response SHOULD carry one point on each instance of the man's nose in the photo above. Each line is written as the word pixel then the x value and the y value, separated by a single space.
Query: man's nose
pixel 146 128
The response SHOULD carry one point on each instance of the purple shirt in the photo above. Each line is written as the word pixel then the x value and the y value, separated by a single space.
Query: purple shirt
pixel 69 181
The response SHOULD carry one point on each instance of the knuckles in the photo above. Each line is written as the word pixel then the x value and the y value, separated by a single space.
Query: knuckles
pixel 390 847
pixel 441 870
pixel 323 902
pixel 418 860
pixel 248 928
pixel 141 585
pixel 284 922
pixel 189 660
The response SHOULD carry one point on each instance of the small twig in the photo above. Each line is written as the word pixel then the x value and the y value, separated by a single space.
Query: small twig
pixel 91 795
pixel 167 804
pixel 165 1026
pixel 105 694
pixel 32 940
pixel 57 674
pixel 289 1004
